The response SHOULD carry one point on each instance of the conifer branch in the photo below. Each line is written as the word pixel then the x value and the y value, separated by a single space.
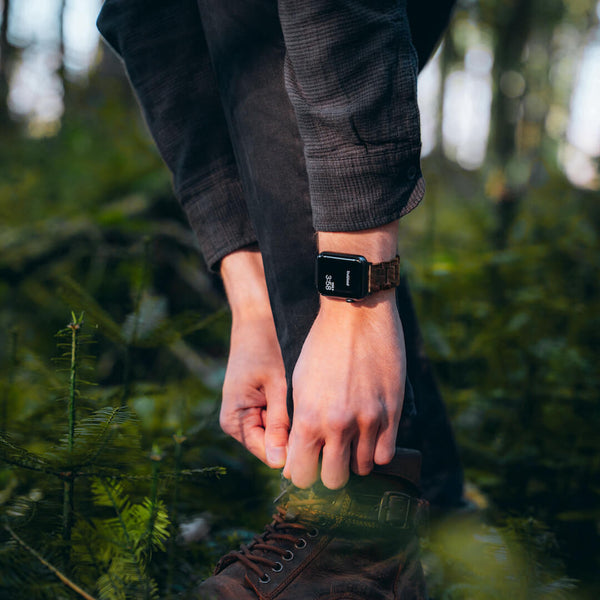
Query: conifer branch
pixel 49 566
pixel 69 483
pixel 75 327
pixel 19 457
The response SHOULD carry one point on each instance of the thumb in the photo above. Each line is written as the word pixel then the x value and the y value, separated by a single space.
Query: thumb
pixel 277 425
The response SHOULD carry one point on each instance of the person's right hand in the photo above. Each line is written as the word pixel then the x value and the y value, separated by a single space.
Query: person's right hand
pixel 253 410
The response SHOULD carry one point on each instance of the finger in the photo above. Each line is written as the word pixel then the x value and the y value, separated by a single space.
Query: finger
pixel 369 422
pixel 363 451
pixel 335 468
pixel 253 437
pixel 247 427
pixel 277 425
pixel 302 464
pixel 385 447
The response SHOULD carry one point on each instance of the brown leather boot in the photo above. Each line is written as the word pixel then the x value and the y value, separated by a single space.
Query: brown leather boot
pixel 358 543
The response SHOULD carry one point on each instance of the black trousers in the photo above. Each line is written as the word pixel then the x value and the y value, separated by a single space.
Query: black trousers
pixel 210 81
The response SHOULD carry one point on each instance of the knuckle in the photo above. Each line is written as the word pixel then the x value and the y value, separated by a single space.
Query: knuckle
pixel 226 423
pixel 304 429
pixel 223 421
pixel 338 423
pixel 226 428
pixel 368 419
pixel 278 386
pixel 277 428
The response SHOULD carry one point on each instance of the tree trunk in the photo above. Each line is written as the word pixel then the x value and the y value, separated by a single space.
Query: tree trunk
pixel 513 32
pixel 61 37
pixel 5 52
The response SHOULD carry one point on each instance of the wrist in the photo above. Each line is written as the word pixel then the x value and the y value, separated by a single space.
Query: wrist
pixel 243 276
pixel 379 301
pixel 379 244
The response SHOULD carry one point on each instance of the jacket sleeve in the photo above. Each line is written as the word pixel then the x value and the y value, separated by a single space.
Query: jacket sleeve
pixel 162 46
pixel 351 74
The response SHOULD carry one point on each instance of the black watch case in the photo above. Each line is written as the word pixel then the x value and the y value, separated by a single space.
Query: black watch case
pixel 342 275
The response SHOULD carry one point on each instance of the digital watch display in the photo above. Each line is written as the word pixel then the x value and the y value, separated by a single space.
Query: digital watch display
pixel 342 275
pixel 352 276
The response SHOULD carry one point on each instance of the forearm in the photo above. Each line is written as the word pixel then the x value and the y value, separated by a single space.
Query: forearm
pixel 351 76
pixel 163 50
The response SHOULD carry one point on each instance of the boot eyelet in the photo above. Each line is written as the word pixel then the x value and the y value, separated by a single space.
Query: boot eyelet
pixel 313 533
pixel 277 567
pixel 289 555
pixel 264 579
pixel 301 543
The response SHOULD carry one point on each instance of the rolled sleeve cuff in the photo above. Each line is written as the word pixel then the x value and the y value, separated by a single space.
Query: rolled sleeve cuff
pixel 354 193
pixel 217 213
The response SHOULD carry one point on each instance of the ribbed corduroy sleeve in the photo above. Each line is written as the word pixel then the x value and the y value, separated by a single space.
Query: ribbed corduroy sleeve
pixel 162 46
pixel 351 76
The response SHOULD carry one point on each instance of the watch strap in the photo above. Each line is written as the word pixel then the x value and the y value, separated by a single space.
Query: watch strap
pixel 384 275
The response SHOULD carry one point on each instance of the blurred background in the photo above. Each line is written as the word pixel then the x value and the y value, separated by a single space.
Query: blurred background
pixel 503 257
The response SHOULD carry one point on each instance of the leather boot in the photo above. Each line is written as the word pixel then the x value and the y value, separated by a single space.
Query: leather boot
pixel 358 543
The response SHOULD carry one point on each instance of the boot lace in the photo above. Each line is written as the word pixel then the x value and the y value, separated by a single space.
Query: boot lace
pixel 283 529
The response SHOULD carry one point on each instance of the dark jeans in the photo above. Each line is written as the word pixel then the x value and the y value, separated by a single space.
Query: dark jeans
pixel 242 128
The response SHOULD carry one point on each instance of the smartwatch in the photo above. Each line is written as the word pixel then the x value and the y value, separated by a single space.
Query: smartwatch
pixel 352 276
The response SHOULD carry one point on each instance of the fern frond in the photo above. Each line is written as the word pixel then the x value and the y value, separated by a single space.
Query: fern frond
pixel 100 440
pixel 153 519
pixel 126 529
pixel 110 493
pixel 110 588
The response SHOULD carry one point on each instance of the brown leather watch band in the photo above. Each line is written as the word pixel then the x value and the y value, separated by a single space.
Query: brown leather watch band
pixel 384 275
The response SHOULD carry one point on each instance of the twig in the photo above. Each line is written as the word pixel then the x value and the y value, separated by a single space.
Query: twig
pixel 52 568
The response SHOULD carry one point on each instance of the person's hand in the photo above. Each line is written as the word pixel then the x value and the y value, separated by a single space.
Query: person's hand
pixel 348 392
pixel 253 410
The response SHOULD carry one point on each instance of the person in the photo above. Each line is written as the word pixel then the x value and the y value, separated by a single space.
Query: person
pixel 292 128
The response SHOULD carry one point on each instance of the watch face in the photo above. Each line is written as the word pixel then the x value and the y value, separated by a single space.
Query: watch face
pixel 342 275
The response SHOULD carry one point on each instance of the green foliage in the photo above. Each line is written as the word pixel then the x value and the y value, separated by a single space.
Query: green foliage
pixel 516 351
pixel 123 544
pixel 114 519
pixel 504 263
pixel 120 547
pixel 158 331
pixel 468 559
